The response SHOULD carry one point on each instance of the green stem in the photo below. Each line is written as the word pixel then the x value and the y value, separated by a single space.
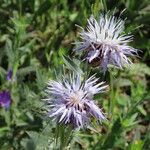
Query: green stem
pixel 112 97
pixel 64 134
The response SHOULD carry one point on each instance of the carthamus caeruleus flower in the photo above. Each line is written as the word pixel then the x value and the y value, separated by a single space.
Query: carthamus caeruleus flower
pixel 5 99
pixel 71 101
pixel 104 42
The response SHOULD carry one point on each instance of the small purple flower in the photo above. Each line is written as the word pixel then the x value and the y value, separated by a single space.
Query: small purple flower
pixel 105 42
pixel 5 99
pixel 9 75
pixel 71 101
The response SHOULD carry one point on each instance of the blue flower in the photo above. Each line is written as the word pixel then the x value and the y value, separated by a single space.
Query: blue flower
pixel 71 101
pixel 104 42
pixel 5 99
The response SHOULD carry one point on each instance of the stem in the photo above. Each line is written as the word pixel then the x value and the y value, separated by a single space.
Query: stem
pixel 20 7
pixel 65 137
pixel 63 134
pixel 112 97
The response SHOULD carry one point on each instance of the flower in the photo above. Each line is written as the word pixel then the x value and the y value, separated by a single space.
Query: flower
pixel 5 99
pixel 9 74
pixel 71 101
pixel 105 43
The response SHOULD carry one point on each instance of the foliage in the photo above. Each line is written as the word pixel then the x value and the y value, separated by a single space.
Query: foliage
pixel 36 40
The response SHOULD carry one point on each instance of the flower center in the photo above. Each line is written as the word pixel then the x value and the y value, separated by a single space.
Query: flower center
pixel 76 101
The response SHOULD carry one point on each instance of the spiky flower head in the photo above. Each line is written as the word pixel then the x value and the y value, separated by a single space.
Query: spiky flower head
pixel 104 42
pixel 71 101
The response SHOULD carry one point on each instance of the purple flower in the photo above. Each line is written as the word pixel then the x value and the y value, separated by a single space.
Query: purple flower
pixel 105 42
pixel 9 75
pixel 5 99
pixel 71 101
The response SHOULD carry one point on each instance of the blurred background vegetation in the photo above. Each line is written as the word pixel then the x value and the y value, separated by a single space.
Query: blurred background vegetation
pixel 34 35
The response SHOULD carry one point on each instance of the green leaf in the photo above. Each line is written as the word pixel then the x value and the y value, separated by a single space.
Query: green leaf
pixel 137 145
pixel 130 121
pixel 142 110
pixel 26 70
pixel 122 99
pixel 140 69
pixel 113 135
pixel 72 64
pixel 121 82
pixel 45 6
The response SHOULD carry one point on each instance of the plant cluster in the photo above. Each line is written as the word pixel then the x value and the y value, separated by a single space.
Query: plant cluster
pixel 97 92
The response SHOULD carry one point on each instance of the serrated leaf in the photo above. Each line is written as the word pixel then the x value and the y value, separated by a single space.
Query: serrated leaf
pixel 140 69
pixel 26 70
pixel 142 110
pixel 130 121
pixel 120 82
pixel 72 64
pixel 113 135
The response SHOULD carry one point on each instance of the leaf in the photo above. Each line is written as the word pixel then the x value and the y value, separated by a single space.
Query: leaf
pixel 122 99
pixel 142 110
pixel 130 121
pixel 73 16
pixel 2 71
pixel 43 139
pixel 41 79
pixel 3 129
pixel 140 69
pixel 20 23
pixel 121 82
pixel 72 64
pixel 45 6
pixel 113 135
pixel 26 70
pixel 9 51
pixel 28 144
pixel 137 145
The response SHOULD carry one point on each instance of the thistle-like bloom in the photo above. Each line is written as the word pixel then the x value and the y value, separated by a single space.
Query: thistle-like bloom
pixel 5 99
pixel 105 43
pixel 71 102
